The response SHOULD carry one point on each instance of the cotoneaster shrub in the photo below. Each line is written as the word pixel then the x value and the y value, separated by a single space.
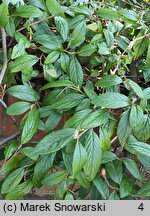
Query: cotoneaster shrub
pixel 89 62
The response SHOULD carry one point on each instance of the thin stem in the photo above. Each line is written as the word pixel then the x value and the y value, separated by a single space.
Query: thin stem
pixel 5 60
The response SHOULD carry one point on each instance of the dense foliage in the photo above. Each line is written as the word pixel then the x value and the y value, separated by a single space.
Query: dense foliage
pixel 88 62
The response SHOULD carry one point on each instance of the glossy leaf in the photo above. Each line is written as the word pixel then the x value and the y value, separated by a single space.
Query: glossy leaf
pixel 79 158
pixel 62 27
pixel 109 81
pixel 76 120
pixel 55 141
pixel 136 118
pixel 132 167
pixel 112 100
pixel 20 191
pixel 124 129
pixel 23 92
pixel 145 189
pixel 12 180
pixel 136 147
pixel 108 14
pixel 30 126
pixel 54 178
pixel 125 187
pixel 94 155
pixel 18 108
pixel 75 72
pixel 67 101
pixel 87 50
pixel 115 171
pixel 104 139
pixel 95 119
pixel 23 62
pixel 54 8
pixel 28 11
pixel 52 57
pixel 58 83
pixel 78 35
pixel 101 187
pixel 41 168
pixel 3 14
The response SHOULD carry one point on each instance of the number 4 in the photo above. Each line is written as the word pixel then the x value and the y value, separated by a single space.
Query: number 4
pixel 141 207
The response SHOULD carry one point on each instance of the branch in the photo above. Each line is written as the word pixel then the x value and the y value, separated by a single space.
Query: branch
pixel 7 139
pixel 4 47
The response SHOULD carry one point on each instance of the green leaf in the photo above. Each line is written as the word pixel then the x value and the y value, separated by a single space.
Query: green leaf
pixel 54 8
pixel 144 134
pixel 95 119
pixel 55 141
pixel 79 158
pixel 12 180
pixel 108 14
pixel 75 72
pixel 41 168
pixel 50 70
pixel 76 120
pixel 112 100
pixel 54 178
pixel 135 88
pixel 52 57
pixel 62 27
pixel 87 50
pixel 104 139
pixel 136 147
pixel 103 49
pixel 69 196
pixel 114 196
pixel 65 62
pixel 19 49
pixel 109 38
pixel 124 129
pixel 61 191
pixel 94 154
pixel 20 191
pixel 78 35
pixel 144 160
pixel 23 62
pixel 101 187
pixel 115 170
pixel 4 14
pixel 108 156
pixel 132 167
pixel 53 120
pixel 10 148
pixel 125 187
pixel 30 126
pixel 29 152
pixel 109 81
pixel 141 44
pixel 136 118
pixel 148 55
pixel 146 93
pixel 49 41
pixel 58 83
pixel 129 14
pixel 82 179
pixel 145 189
pixel 18 108
pixel 23 92
pixel 67 101
pixel 10 27
pixel 28 11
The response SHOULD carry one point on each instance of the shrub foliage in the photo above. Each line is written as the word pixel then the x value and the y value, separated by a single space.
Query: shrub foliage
pixel 88 62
